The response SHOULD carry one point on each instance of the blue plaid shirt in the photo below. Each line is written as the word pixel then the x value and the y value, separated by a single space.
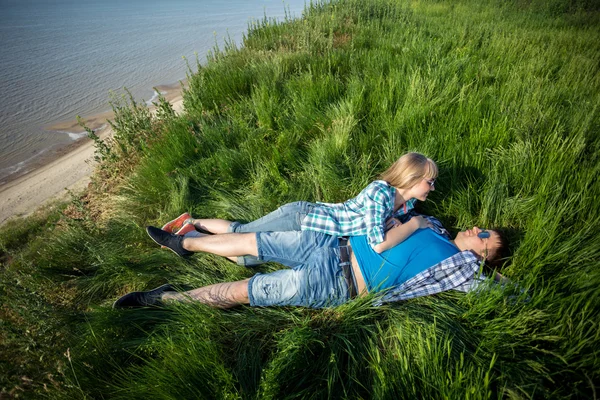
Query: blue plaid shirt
pixel 459 272
pixel 365 214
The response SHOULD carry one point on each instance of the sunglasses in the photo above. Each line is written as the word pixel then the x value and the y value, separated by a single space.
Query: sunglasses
pixel 431 182
pixel 483 234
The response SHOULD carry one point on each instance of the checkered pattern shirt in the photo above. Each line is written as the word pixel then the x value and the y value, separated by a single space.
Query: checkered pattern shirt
pixel 459 272
pixel 365 214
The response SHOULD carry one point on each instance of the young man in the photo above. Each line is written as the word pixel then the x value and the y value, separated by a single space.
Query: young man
pixel 417 259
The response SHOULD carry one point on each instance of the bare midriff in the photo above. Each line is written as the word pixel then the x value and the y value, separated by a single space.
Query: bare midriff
pixel 361 287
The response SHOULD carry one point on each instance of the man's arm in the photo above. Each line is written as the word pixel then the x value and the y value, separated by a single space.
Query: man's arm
pixel 498 277
pixel 400 233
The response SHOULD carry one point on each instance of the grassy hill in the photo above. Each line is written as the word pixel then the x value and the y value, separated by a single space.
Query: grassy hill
pixel 505 96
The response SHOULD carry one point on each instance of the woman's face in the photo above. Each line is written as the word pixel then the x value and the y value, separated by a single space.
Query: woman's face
pixel 422 188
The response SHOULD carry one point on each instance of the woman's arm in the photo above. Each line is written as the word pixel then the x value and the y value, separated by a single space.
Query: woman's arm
pixel 399 233
pixel 376 203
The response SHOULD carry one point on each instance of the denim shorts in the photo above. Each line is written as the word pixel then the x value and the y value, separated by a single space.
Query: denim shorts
pixel 286 218
pixel 292 248
pixel 317 283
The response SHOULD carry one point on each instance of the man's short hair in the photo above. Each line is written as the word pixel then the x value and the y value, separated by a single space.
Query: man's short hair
pixel 498 255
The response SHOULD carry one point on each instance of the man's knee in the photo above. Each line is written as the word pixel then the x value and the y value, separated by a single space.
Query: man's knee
pixel 240 291
pixel 279 288
pixel 249 242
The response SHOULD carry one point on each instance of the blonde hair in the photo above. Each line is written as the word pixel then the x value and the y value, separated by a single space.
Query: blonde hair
pixel 409 169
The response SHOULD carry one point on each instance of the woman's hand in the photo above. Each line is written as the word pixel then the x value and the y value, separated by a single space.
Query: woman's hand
pixel 421 222
pixel 398 233
pixel 392 223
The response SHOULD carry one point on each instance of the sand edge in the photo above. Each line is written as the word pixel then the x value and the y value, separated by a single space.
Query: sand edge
pixel 69 173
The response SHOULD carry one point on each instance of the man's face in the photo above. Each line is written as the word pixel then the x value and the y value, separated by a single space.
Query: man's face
pixel 469 240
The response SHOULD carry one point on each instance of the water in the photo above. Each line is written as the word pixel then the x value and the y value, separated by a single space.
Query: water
pixel 61 58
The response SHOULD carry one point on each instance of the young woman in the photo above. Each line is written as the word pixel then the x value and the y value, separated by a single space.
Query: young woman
pixel 373 212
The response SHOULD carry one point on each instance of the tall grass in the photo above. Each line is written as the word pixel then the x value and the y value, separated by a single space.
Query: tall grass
pixel 504 95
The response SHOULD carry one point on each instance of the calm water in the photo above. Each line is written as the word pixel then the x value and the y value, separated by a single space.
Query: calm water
pixel 61 58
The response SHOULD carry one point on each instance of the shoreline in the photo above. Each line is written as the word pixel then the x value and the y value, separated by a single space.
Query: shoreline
pixel 68 168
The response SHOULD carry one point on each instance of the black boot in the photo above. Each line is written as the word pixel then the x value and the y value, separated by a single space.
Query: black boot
pixel 151 298
pixel 170 241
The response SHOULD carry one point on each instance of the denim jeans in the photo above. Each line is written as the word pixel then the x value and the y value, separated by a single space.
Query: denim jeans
pixel 286 218
pixel 292 248
pixel 318 282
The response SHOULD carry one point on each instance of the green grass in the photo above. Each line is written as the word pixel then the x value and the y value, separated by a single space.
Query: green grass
pixel 504 95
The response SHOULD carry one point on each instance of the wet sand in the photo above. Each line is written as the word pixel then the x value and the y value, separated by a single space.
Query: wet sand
pixel 70 169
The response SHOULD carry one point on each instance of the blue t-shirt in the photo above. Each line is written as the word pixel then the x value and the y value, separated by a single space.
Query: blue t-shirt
pixel 421 250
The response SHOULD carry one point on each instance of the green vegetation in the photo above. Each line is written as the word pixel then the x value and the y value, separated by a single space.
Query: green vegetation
pixel 504 95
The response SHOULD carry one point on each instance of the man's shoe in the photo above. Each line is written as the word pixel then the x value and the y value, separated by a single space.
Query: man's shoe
pixel 150 298
pixel 170 241
pixel 176 224
pixel 189 230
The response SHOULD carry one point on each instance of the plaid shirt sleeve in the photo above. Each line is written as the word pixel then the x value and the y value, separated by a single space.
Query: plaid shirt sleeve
pixel 460 272
pixel 455 272
pixel 472 284
pixel 437 226
pixel 377 201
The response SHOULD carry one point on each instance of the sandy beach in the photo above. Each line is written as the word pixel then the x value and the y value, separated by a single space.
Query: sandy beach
pixel 69 172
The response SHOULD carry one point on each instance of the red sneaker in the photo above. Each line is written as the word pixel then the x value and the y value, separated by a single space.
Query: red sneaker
pixel 187 227
pixel 176 224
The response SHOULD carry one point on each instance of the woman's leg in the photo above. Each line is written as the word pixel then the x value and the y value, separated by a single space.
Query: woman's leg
pixel 286 218
pixel 212 225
